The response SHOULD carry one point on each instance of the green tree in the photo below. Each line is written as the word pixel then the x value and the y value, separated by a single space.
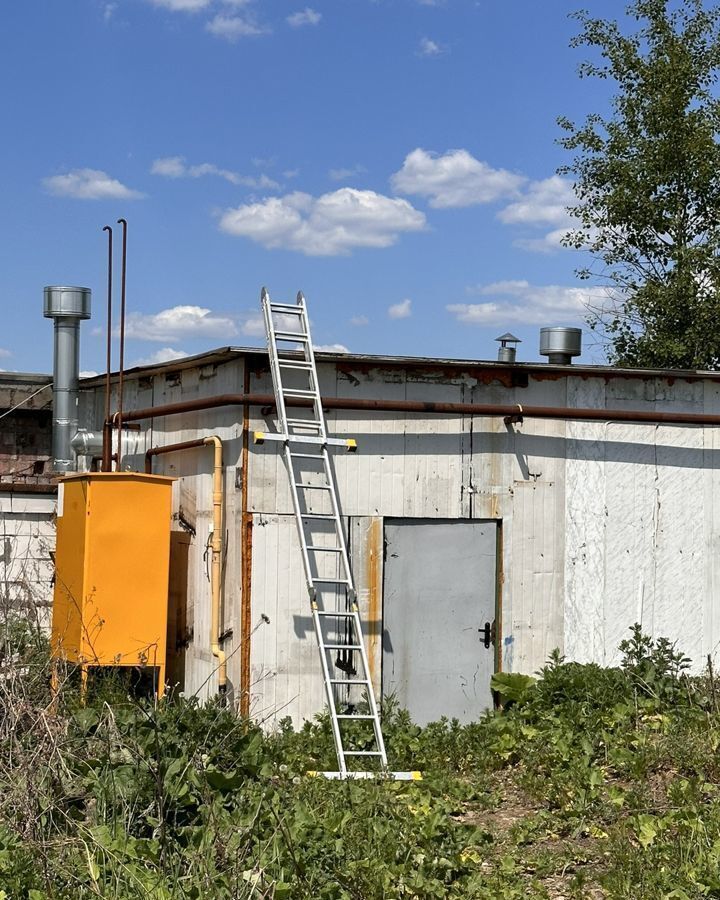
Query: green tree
pixel 647 181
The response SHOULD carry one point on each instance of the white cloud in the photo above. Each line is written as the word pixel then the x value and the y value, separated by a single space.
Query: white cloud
pixel 306 16
pixel 550 242
pixel 332 348
pixel 400 310
pixel 166 354
pixel 343 174
pixel 527 304
pixel 89 184
pixel 359 321
pixel 454 179
pixel 329 225
pixel 182 5
pixel 178 322
pixel 109 11
pixel 546 203
pixel 430 48
pixel 543 202
pixel 291 173
pixel 4 353
pixel 253 326
pixel 169 167
pixel 232 28
pixel 88 373
pixel 176 167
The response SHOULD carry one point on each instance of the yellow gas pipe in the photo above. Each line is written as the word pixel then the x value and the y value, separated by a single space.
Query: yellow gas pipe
pixel 216 570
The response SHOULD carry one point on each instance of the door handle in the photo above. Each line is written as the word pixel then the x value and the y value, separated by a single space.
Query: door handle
pixel 488 633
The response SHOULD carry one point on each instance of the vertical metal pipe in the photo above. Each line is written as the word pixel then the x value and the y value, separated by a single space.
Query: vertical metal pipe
pixel 217 550
pixel 121 366
pixel 66 306
pixel 107 449
pixel 246 557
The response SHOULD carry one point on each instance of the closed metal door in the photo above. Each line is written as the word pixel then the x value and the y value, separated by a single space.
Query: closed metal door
pixel 439 599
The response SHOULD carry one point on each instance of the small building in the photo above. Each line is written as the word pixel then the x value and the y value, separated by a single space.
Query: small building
pixel 479 541
pixel 495 511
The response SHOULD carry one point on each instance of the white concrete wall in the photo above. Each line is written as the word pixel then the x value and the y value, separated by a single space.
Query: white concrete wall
pixel 27 542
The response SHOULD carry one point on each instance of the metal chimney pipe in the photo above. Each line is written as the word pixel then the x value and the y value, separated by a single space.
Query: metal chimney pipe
pixel 560 344
pixel 67 306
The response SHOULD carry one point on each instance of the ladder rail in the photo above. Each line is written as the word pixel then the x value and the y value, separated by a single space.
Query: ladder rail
pixel 342 543
pixel 274 366
pixel 310 356
pixel 307 565
pixel 327 681
pixel 372 703
pixel 350 638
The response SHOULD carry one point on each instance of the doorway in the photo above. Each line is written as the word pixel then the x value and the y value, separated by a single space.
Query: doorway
pixel 439 614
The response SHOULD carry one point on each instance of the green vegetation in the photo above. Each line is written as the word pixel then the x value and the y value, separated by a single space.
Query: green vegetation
pixel 592 783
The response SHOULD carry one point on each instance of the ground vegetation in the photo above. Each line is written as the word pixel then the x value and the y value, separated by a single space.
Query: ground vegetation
pixel 590 782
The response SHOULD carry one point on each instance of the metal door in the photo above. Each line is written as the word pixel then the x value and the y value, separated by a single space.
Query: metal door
pixel 439 599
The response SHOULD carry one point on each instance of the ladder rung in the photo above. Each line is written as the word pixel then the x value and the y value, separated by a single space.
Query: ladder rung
pixel 349 681
pixel 313 487
pixel 329 612
pixel 352 716
pixel 294 364
pixel 324 549
pixel 298 336
pixel 341 647
pixel 287 307
pixel 305 423
pixel 362 753
pixel 308 456
pixel 297 392
pixel 330 581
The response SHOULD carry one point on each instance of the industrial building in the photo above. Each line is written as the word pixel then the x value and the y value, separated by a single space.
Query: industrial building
pixel 495 511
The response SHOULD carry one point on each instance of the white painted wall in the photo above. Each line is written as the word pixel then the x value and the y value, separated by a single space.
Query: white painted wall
pixel 27 541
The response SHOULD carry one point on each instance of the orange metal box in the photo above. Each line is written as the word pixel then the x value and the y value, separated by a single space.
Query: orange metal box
pixel 112 567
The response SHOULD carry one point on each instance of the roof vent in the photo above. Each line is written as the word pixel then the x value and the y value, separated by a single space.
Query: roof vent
pixel 560 344
pixel 508 347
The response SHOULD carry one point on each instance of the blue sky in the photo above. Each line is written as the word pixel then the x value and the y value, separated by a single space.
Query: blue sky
pixel 394 159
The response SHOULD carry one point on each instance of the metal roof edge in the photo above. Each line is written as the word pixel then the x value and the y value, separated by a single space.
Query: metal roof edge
pixel 24 377
pixel 226 354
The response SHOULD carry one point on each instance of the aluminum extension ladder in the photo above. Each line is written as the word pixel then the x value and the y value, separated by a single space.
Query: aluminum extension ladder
pixel 326 563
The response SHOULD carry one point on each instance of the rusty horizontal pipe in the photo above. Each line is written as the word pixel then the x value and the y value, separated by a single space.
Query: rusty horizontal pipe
pixel 429 407
pixel 170 448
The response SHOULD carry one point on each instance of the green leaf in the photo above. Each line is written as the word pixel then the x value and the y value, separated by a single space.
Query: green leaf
pixel 224 781
pixel 646 830
pixel 512 686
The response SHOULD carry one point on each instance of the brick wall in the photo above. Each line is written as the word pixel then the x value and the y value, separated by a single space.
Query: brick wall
pixel 25 446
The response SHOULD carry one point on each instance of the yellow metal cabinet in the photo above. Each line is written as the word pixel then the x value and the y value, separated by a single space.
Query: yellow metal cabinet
pixel 112 566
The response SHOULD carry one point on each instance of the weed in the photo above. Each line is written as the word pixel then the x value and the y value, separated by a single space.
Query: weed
pixel 591 782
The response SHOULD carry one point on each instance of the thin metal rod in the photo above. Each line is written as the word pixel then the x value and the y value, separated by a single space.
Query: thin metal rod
pixel 423 407
pixel 121 365
pixel 107 451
